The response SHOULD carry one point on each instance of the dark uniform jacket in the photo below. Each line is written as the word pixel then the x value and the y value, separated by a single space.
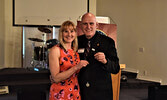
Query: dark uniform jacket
pixel 95 79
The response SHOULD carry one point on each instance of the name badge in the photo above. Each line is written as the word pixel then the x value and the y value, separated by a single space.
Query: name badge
pixel 93 49
pixel 81 50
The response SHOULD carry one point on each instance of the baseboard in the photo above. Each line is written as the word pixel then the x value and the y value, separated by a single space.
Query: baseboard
pixel 149 78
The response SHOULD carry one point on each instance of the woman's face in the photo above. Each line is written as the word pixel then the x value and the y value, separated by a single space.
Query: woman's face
pixel 69 35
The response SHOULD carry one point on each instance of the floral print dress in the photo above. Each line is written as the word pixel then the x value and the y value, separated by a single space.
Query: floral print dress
pixel 69 88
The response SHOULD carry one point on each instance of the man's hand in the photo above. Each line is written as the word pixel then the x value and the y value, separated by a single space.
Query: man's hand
pixel 100 56
pixel 51 79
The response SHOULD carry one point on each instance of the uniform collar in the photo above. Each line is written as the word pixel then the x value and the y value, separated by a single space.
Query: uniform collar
pixel 93 38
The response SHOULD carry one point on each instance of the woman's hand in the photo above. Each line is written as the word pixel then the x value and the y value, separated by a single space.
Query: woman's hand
pixel 82 63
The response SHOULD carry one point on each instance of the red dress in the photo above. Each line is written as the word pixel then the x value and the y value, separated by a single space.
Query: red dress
pixel 69 88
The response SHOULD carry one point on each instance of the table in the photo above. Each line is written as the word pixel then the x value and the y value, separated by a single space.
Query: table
pixel 28 84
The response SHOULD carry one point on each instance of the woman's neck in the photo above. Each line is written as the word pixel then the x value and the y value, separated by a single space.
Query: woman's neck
pixel 68 46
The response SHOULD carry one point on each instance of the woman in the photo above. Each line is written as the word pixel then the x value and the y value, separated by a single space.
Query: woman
pixel 64 63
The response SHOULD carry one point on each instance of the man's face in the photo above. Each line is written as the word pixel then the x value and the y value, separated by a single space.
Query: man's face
pixel 88 26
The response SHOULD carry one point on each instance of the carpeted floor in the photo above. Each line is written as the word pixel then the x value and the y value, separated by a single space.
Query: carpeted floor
pixel 134 89
pixel 133 94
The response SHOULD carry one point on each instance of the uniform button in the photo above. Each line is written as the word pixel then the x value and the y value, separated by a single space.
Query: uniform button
pixel 87 84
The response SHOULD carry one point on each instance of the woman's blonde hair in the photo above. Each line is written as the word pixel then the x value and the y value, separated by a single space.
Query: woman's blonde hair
pixel 65 26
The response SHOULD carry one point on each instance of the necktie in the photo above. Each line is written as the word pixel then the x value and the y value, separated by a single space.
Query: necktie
pixel 87 49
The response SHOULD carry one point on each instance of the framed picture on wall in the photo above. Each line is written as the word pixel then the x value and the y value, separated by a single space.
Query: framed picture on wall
pixel 47 12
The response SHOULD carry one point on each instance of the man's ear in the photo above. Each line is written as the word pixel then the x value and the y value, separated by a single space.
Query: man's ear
pixel 97 24
pixel 80 23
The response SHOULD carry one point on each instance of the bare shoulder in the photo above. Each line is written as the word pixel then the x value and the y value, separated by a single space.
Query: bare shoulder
pixel 55 51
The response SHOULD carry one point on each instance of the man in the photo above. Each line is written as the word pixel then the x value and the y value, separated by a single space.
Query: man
pixel 95 79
